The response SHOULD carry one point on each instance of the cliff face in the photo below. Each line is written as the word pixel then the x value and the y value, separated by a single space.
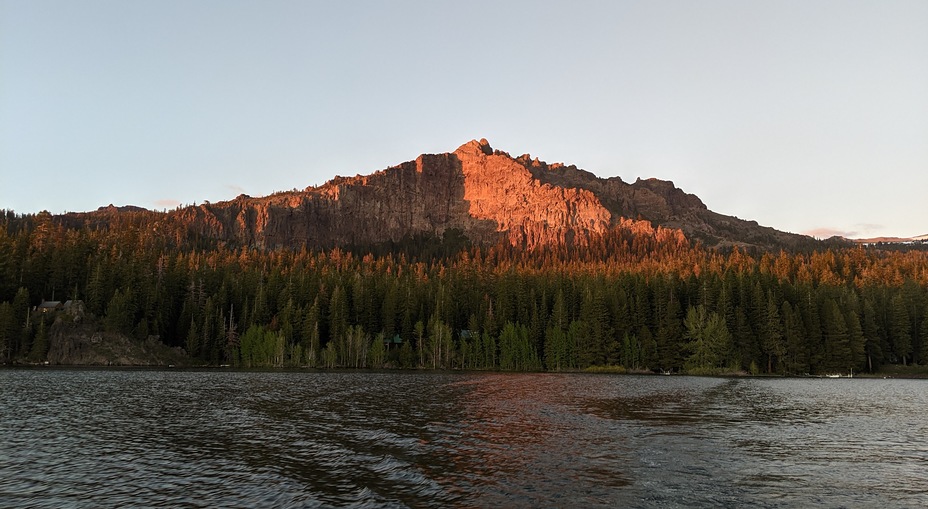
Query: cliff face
pixel 421 196
pixel 501 190
pixel 663 204
pixel 482 193
pixel 487 194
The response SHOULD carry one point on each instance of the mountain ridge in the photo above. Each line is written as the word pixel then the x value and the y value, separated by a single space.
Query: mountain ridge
pixel 486 194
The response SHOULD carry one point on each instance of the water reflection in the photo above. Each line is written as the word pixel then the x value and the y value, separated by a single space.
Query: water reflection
pixel 309 439
pixel 520 441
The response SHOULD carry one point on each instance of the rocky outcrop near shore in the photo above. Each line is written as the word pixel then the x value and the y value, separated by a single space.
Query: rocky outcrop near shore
pixel 77 340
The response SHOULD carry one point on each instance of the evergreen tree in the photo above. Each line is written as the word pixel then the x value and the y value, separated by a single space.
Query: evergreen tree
pixel 631 352
pixel 649 357
pixel 900 329
pixel 797 352
pixel 8 331
pixel 338 314
pixel 668 337
pixel 772 341
pixel 311 336
pixel 119 312
pixel 709 340
pixel 40 344
pixel 872 343
pixel 808 305
pixel 490 351
pixel 556 349
pixel 838 356
pixel 21 315
pixel 192 344
pixel 856 342
pixel 576 332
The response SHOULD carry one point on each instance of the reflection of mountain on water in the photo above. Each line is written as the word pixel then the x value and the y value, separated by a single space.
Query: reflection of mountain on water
pixel 528 426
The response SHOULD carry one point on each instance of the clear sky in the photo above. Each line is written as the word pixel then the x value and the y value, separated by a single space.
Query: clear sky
pixel 808 116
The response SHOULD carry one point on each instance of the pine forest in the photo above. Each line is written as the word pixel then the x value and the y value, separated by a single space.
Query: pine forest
pixel 637 299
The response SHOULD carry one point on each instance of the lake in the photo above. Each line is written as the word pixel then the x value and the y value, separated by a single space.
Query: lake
pixel 117 438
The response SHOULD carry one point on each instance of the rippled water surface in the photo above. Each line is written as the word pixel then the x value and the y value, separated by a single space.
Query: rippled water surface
pixel 117 438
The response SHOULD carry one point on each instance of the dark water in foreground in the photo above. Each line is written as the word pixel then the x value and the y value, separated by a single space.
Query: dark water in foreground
pixel 76 438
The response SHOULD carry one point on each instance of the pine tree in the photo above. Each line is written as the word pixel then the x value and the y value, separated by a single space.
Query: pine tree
pixel 97 290
pixel 338 314
pixel 900 330
pixel 192 344
pixel 556 348
pixel 856 342
pixel 119 314
pixel 709 340
pixel 836 339
pixel 21 316
pixel 669 336
pixel 40 344
pixel 924 337
pixel 772 341
pixel 311 335
pixel 797 352
pixel 872 337
pixel 8 331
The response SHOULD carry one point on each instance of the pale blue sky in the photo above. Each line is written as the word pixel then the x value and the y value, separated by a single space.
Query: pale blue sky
pixel 808 116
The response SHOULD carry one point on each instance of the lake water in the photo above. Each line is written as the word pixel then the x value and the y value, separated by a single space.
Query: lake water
pixel 118 438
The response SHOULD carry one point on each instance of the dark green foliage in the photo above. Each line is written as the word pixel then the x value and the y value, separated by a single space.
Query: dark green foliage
pixel 516 353
pixel 260 348
pixel 9 330
pixel 838 356
pixel 39 348
pixel 709 340
pixel 120 312
pixel 642 300
pixel 796 352
pixel 900 330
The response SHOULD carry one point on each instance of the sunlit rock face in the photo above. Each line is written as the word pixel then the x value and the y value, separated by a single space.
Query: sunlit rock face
pixel 502 190
pixel 484 193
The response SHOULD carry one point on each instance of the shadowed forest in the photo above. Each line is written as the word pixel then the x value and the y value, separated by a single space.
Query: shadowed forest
pixel 637 298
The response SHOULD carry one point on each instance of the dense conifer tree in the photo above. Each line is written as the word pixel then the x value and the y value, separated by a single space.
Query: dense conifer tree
pixel 625 299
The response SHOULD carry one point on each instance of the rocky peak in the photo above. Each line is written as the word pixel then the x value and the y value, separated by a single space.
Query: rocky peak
pixel 485 193
pixel 474 147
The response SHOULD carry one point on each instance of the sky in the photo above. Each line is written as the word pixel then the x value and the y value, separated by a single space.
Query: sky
pixel 809 116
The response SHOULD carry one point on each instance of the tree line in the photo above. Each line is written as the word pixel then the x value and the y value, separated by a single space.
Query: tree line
pixel 638 297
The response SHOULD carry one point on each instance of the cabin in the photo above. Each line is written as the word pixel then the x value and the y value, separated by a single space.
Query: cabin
pixel 49 305
pixel 396 341
pixel 73 307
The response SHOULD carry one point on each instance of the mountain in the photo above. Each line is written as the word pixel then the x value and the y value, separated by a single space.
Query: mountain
pixel 484 193
pixel 892 240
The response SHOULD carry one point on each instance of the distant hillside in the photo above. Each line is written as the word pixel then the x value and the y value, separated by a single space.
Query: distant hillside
pixel 893 240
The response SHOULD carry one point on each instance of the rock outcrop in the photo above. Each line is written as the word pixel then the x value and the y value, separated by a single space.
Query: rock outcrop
pixel 84 344
pixel 484 193
pixel 499 189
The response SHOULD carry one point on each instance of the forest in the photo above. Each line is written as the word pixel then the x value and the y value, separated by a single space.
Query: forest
pixel 638 298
